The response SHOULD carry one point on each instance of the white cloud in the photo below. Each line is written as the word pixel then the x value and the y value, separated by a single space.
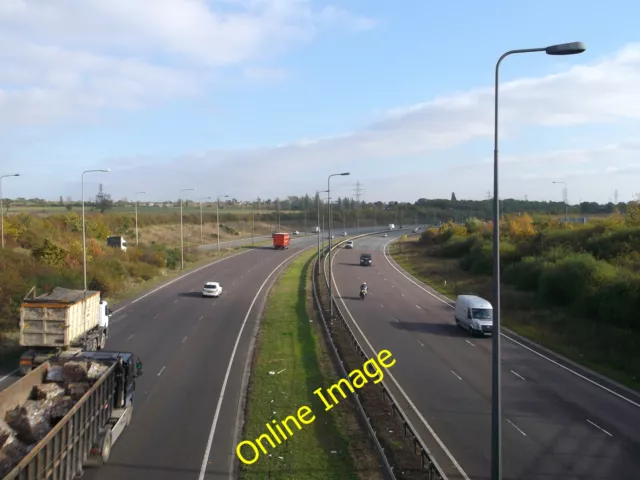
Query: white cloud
pixel 601 92
pixel 70 58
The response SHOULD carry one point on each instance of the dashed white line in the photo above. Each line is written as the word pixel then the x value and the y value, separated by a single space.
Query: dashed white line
pixel 458 376
pixel 419 306
pixel 396 319
pixel 599 427
pixel 384 278
pixel 422 344
pixel 201 317
pixel 175 301
pixel 516 427
pixel 130 337
pixel 393 286
pixel 517 375
pixel 402 294
pixel 161 370
pixel 470 343
pixel 382 305
pixel 184 340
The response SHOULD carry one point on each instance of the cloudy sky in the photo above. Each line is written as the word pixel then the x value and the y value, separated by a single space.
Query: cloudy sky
pixel 265 98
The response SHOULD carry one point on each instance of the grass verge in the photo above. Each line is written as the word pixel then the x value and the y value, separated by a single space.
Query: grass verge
pixel 290 361
pixel 577 339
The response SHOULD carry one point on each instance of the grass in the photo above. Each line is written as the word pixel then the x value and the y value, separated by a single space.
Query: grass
pixel 580 340
pixel 290 361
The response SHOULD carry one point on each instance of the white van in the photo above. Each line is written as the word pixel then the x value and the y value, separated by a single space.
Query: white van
pixel 474 314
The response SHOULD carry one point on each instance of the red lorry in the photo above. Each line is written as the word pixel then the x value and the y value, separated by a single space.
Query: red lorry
pixel 281 241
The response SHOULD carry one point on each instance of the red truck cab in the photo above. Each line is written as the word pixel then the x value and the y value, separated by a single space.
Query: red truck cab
pixel 281 240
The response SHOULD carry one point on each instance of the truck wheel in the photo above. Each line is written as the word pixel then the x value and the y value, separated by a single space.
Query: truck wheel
pixel 105 451
pixel 103 341
pixel 129 414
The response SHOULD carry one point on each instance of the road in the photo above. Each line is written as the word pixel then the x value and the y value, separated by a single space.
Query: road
pixel 560 421
pixel 195 353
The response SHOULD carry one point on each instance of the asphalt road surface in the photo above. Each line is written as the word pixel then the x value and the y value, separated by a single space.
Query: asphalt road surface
pixel 561 422
pixel 194 352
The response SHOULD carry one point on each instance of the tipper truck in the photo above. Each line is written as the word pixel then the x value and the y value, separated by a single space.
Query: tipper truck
pixel 61 322
pixel 65 415
pixel 281 240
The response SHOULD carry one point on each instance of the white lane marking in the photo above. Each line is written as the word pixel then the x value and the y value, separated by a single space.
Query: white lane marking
pixel 470 343
pixel 130 336
pixel 8 375
pixel 396 319
pixel 558 364
pixel 419 306
pixel 516 427
pixel 517 375
pixel 401 390
pixel 458 376
pixel 402 294
pixel 422 344
pixel 599 427
pixel 384 278
pixel 175 301
pixel 201 317
pixel 214 423
pixel 177 279
pixel 382 305
pixel 161 370
pixel 393 286
pixel 184 340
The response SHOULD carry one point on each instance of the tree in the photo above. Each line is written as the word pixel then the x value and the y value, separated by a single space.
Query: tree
pixel 103 200
pixel 453 197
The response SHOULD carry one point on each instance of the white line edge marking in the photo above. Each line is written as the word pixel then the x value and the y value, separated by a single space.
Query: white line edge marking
pixel 8 375
pixel 212 432
pixel 201 317
pixel 457 376
pixel 411 404
pixel 161 370
pixel 517 375
pixel 184 340
pixel 469 342
pixel 419 307
pixel 421 343
pixel 130 336
pixel 516 427
pixel 593 382
pixel 599 427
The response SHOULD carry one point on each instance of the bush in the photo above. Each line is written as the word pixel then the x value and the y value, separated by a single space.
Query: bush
pixel 457 246
pixel 479 260
pixel 525 274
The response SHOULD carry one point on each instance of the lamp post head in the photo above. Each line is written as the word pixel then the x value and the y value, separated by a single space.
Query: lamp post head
pixel 16 174
pixel 345 173
pixel 572 48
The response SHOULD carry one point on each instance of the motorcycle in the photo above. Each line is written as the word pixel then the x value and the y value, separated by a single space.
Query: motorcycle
pixel 363 293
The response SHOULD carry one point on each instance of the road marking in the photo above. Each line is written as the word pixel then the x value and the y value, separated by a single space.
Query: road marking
pixel 516 427
pixel 184 340
pixel 161 370
pixel 393 286
pixel 558 364
pixel 470 343
pixel 175 301
pixel 130 337
pixel 404 394
pixel 382 305
pixel 396 319
pixel 177 279
pixel 214 423
pixel 402 294
pixel 422 344
pixel 458 376
pixel 201 317
pixel 419 306
pixel 517 375
pixel 599 427
pixel 8 375
pixel 384 278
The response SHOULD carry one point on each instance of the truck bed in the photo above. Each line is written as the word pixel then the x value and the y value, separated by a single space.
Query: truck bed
pixel 64 447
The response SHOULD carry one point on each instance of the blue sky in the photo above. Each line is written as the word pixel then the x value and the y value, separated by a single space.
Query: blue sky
pixel 217 95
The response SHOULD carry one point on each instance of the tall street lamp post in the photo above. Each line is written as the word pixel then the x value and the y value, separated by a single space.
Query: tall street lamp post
pixel 136 203
pixel 319 231
pixel 182 227
pixel 496 400
pixel 218 218
pixel 566 205
pixel 330 233
pixel 2 204
pixel 201 228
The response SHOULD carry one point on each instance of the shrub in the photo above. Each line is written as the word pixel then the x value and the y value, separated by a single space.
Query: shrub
pixel 525 274
pixel 457 246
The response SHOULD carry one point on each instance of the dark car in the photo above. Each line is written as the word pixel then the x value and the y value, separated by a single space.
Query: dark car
pixel 366 260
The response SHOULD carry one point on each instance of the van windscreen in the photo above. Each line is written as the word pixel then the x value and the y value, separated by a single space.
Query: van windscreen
pixel 482 313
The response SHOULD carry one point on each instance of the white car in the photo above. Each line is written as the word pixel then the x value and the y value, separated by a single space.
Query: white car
pixel 344 234
pixel 211 289
pixel 296 232
pixel 384 235
pixel 348 244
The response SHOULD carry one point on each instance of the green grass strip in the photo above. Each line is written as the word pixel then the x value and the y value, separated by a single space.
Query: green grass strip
pixel 290 362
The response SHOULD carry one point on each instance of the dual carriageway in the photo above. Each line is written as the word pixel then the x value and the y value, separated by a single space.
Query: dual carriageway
pixel 560 421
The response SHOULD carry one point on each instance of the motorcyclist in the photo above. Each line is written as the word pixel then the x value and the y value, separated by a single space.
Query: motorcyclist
pixel 364 288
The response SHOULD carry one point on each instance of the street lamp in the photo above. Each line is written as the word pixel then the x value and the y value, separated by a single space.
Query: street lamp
pixel 203 198
pixel 318 192
pixel 330 232
pixel 218 218
pixel 496 400
pixel 136 203
pixel 566 206
pixel 181 228
pixel 1 202
pixel 84 231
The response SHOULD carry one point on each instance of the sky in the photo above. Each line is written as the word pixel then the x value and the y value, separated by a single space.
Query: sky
pixel 266 98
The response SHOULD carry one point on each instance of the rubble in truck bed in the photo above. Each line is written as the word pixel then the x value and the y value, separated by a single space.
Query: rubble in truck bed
pixel 27 424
